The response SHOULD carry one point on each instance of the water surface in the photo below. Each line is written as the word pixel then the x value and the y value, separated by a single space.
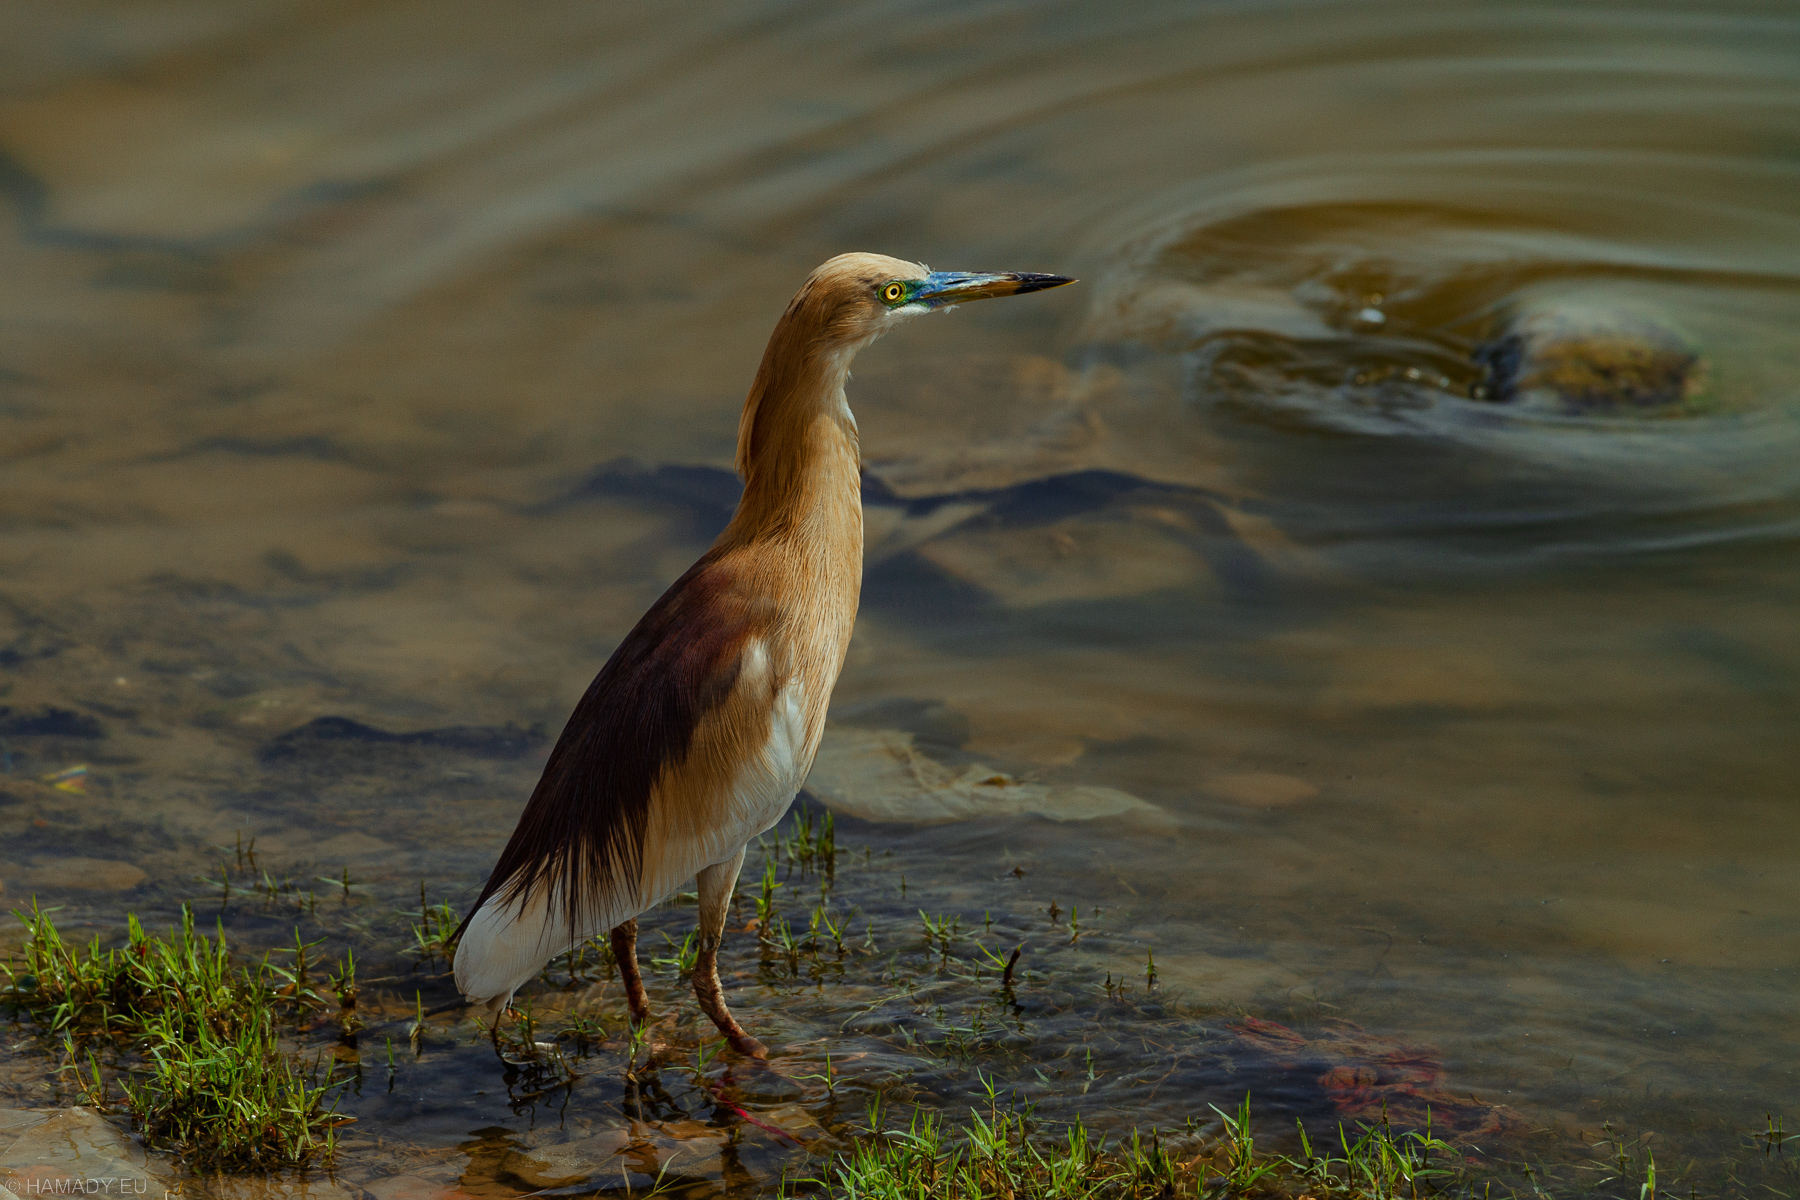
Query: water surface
pixel 383 362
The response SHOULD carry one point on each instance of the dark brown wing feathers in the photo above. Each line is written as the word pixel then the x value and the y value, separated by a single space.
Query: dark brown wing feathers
pixel 583 828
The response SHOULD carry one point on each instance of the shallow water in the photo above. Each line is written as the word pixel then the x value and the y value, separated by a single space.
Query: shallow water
pixel 383 362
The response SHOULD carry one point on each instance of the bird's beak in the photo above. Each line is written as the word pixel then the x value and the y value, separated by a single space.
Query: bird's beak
pixel 954 287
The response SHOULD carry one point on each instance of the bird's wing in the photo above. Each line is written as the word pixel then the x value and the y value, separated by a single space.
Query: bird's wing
pixel 686 745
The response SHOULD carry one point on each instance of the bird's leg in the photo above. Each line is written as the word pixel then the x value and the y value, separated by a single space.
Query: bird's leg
pixel 624 948
pixel 716 883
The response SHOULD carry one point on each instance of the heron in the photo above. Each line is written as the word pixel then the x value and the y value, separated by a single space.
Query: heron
pixel 698 732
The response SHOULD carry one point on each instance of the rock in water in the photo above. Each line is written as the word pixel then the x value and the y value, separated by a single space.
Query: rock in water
pixel 1589 353
pixel 1260 789
pixel 84 874
pixel 48 722
pixel 416 1187
pixel 72 1151
pixel 879 775
pixel 652 1150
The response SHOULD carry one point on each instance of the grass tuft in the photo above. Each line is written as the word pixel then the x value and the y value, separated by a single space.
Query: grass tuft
pixel 1377 1163
pixel 1005 1153
pixel 433 929
pixel 195 1041
pixel 999 1156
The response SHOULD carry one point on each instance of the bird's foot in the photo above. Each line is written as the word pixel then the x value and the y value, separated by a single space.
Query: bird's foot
pixel 746 1045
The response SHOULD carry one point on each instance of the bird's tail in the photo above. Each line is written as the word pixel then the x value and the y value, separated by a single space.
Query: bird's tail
pixel 505 942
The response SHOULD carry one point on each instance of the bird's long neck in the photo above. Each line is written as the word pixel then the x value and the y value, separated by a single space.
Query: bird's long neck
pixel 798 453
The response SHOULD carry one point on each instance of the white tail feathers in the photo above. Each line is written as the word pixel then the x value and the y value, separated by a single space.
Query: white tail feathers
pixel 508 942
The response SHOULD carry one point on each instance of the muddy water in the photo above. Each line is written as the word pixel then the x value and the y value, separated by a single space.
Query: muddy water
pixel 381 362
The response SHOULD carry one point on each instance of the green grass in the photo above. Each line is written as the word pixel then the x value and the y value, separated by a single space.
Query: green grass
pixel 1004 1154
pixel 198 1046
pixel 997 1156
pixel 1376 1163
pixel 193 1040
pixel 433 928
pixel 805 844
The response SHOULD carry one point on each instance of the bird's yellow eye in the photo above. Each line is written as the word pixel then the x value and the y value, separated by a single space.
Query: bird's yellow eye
pixel 892 293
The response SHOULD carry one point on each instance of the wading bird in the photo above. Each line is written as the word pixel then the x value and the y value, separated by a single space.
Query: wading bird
pixel 701 727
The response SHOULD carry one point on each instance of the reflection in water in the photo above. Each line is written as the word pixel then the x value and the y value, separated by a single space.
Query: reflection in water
pixel 348 372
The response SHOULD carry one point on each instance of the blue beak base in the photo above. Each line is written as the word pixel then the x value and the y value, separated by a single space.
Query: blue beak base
pixel 941 288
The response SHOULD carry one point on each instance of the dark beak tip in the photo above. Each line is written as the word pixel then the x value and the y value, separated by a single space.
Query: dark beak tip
pixel 1032 282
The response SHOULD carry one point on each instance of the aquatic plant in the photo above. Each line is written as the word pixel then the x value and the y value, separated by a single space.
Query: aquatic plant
pixel 1377 1163
pixel 950 991
pixel 1007 1153
pixel 999 1155
pixel 433 929
pixel 590 960
pixel 1243 1168
pixel 765 900
pixel 807 845
pixel 1627 1167
pixel 200 1057
pixel 681 956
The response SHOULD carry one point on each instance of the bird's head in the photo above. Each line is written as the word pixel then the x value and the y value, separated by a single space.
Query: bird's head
pixel 842 307
pixel 855 298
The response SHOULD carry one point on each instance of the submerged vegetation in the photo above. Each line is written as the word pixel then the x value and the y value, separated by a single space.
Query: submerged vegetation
pixel 891 1015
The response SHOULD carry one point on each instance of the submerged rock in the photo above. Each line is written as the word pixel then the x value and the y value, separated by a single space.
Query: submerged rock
pixel 85 874
pixel 1017 418
pixel 1589 353
pixel 1372 1078
pixel 14 790
pixel 675 1149
pixel 416 1187
pixel 879 775
pixel 1098 556
pixel 271 1187
pixel 72 1151
pixel 1260 789
pixel 48 722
